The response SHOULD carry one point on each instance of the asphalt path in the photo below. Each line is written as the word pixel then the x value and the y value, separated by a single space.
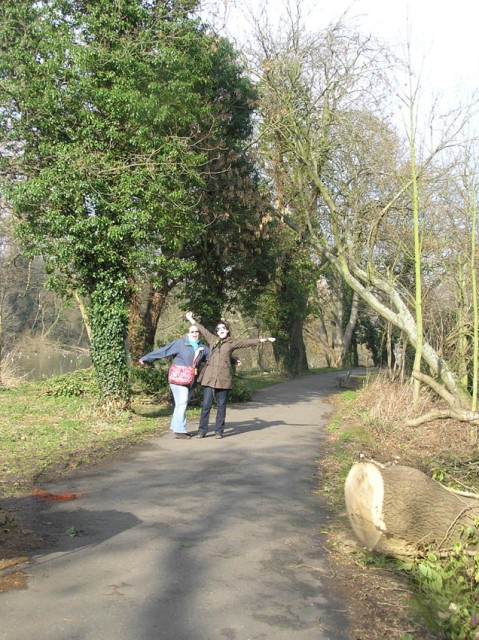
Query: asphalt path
pixel 202 539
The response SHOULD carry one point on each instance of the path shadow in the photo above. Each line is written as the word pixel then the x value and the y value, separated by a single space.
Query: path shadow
pixel 237 428
pixel 295 593
pixel 34 526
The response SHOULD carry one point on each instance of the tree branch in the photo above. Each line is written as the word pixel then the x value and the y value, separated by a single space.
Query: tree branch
pixel 441 391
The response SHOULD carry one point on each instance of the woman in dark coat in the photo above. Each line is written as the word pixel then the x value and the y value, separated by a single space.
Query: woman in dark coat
pixel 216 378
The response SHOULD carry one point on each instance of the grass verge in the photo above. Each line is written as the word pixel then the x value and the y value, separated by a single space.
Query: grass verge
pixel 444 601
pixel 42 436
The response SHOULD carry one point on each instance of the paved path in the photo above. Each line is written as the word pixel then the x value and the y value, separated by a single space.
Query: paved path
pixel 194 540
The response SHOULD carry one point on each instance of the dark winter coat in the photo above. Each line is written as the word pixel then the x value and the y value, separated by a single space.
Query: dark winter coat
pixel 218 373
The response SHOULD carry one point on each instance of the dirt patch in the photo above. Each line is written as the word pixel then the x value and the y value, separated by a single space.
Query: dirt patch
pixel 13 580
pixel 18 534
pixel 18 538
pixel 381 603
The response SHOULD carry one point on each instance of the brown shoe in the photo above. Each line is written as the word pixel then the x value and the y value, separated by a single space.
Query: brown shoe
pixel 182 436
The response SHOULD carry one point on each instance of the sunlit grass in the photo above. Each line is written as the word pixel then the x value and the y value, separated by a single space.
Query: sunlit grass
pixel 41 434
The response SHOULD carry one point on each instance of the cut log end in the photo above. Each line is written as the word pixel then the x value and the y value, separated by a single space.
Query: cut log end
pixel 364 493
pixel 396 509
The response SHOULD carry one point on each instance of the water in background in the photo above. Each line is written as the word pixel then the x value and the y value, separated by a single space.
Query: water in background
pixel 47 362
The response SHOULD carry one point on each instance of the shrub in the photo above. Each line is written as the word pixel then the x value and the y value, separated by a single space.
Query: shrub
pixel 450 584
pixel 240 392
pixel 151 380
pixel 81 382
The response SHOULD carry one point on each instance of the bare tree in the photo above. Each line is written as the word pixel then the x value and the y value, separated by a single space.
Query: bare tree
pixel 324 101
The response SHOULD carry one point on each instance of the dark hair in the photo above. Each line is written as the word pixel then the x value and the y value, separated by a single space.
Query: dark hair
pixel 224 324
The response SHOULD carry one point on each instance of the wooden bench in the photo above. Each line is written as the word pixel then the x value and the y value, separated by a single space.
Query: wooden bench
pixel 343 379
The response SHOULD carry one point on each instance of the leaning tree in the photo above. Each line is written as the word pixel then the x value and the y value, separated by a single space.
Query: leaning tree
pixel 325 98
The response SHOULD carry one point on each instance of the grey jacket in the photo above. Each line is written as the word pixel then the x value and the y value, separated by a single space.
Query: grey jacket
pixel 181 349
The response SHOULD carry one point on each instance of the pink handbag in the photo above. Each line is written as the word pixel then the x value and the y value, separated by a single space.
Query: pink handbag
pixel 182 375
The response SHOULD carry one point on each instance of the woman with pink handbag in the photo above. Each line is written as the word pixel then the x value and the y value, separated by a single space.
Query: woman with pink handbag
pixel 187 354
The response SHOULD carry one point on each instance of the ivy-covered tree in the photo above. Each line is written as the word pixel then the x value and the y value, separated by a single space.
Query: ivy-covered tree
pixel 111 112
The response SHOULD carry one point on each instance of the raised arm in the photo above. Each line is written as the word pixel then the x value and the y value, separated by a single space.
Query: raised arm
pixel 210 337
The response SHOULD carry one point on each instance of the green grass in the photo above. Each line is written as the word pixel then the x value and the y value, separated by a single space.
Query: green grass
pixel 42 434
pixel 257 380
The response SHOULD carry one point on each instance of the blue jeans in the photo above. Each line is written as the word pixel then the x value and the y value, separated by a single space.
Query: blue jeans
pixel 221 396
pixel 181 396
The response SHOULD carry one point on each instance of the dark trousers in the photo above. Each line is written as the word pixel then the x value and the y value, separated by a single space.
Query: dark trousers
pixel 221 396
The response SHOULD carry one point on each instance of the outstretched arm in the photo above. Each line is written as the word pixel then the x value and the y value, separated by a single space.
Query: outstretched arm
pixel 239 343
pixel 170 349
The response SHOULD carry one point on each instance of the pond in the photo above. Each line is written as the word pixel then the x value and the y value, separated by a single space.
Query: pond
pixel 41 364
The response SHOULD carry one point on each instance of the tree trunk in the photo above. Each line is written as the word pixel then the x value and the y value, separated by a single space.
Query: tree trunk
pixel 136 328
pixel 83 312
pixel 348 333
pixel 144 313
pixel 389 350
pixel 297 354
pixel 108 315
pixel 1 342
pixel 154 307
pixel 396 509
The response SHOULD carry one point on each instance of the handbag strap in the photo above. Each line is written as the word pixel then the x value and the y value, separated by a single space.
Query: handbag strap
pixel 198 352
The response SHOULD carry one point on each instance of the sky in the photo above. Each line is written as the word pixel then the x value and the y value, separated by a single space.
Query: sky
pixel 444 35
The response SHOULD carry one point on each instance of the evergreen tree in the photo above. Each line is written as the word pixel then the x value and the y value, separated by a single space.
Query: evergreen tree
pixel 111 112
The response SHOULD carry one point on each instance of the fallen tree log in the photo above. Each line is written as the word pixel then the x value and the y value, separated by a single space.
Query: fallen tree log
pixel 396 509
